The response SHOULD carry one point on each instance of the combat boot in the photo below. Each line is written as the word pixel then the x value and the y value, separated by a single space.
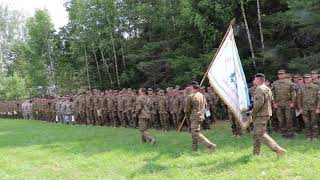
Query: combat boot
pixel 281 152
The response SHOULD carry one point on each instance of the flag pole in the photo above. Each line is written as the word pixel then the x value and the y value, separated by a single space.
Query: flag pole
pixel 232 23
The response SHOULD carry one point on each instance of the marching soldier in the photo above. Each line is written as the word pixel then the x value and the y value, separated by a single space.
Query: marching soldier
pixel 195 107
pixel 142 111
pixel 261 113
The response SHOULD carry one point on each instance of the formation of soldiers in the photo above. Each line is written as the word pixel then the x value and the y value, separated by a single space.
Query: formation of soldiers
pixel 111 108
pixel 296 104
pixel 296 107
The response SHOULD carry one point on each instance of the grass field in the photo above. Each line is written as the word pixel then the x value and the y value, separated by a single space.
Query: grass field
pixel 40 150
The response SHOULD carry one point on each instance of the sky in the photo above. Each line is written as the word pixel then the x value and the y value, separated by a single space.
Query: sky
pixel 56 9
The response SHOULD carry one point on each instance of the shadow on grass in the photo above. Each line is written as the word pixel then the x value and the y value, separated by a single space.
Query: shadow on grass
pixel 151 167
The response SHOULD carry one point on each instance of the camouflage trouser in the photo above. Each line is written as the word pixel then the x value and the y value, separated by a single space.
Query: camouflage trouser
pixel 155 123
pixel 175 117
pixel 97 117
pixel 90 116
pixel 143 127
pixel 235 126
pixel 284 115
pixel 113 116
pixel 105 118
pixel 122 119
pixel 260 135
pixel 164 121
pixel 310 119
pixel 197 135
pixel 129 116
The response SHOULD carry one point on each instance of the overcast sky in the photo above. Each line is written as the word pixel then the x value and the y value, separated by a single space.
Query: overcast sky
pixel 56 9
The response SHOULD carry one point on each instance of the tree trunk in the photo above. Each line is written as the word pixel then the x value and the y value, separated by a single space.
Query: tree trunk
pixel 106 65
pixel 114 52
pixel 97 64
pixel 87 66
pixel 260 29
pixel 248 34
pixel 123 58
pixel 51 71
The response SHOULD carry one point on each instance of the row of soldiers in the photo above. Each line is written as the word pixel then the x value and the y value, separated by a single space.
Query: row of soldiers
pixel 296 106
pixel 111 108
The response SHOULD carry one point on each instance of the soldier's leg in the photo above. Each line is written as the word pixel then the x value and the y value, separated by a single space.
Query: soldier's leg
pixel 198 136
pixel 281 119
pixel 256 140
pixel 314 124
pixel 263 137
pixel 119 113
pixel 238 128
pixel 145 136
pixel 233 123
pixel 289 120
pixel 174 120
pixel 306 119
pixel 110 123
pixel 130 119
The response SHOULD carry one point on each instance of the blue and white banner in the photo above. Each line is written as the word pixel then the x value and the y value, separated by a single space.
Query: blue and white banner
pixel 226 76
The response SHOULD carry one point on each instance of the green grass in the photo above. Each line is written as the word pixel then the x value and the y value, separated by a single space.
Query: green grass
pixel 40 150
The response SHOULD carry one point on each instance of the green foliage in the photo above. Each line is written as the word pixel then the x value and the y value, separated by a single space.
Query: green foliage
pixel 13 87
pixel 155 43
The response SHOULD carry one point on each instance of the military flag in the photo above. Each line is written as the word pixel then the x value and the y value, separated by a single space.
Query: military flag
pixel 226 76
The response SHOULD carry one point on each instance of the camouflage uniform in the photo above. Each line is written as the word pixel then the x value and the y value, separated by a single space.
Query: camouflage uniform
pixel 308 103
pixel 235 126
pixel 142 110
pixel 162 107
pixel 195 107
pixel 129 104
pixel 261 113
pixel 90 109
pixel 121 100
pixel 284 95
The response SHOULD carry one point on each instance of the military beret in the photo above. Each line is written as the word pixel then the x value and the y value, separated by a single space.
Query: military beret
pixel 260 75
pixel 281 71
pixel 150 89
pixel 194 83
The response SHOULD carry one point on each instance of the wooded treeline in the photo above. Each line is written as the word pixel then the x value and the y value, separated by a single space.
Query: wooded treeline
pixel 143 43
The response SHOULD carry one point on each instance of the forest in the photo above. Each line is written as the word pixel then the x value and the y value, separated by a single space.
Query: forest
pixel 114 44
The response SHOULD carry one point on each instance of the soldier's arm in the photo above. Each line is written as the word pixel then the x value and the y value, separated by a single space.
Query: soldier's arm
pixel 138 106
pixel 258 101
pixel 188 107
pixel 299 99
pixel 293 92
pixel 318 101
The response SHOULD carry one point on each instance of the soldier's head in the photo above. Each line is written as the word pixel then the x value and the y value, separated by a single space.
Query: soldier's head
pixel 142 91
pixel 259 79
pixel 300 80
pixel 150 91
pixel 288 77
pixel 194 86
pixel 314 75
pixel 296 78
pixel 281 74
pixel 161 92
pixel 307 78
